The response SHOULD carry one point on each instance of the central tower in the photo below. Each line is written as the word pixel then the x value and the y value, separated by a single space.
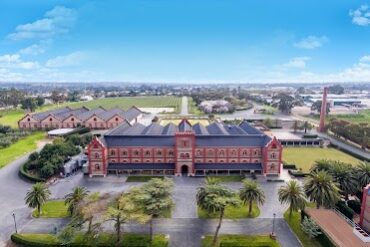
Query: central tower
pixel 184 149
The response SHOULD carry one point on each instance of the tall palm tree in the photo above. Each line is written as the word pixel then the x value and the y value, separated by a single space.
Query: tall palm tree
pixel 363 174
pixel 37 196
pixel 322 165
pixel 321 189
pixel 251 193
pixel 293 194
pixel 343 174
pixel 214 198
pixel 75 197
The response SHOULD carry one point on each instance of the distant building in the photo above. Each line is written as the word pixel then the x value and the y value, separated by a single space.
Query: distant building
pixel 184 150
pixel 67 117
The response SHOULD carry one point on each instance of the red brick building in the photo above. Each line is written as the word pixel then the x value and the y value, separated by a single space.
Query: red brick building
pixel 67 117
pixel 184 150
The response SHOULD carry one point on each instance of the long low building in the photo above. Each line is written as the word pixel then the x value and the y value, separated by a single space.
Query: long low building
pixel 184 149
pixel 67 117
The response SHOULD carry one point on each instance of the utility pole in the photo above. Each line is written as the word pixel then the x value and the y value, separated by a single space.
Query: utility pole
pixel 15 223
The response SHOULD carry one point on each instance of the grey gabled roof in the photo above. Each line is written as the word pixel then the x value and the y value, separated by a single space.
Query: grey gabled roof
pixel 249 128
pixel 132 113
pixel 215 134
pixel 42 115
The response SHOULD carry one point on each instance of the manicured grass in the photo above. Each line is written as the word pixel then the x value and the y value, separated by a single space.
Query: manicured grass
pixel 241 241
pixel 141 178
pixel 52 209
pixel 21 147
pixel 193 109
pixel 240 211
pixel 305 157
pixel 127 102
pixel 165 121
pixel 362 117
pixel 11 117
pixel 103 239
pixel 227 179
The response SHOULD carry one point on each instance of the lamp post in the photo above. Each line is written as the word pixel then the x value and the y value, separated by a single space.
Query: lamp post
pixel 272 235
pixel 15 223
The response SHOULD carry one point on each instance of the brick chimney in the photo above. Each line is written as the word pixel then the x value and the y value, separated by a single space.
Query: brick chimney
pixel 323 110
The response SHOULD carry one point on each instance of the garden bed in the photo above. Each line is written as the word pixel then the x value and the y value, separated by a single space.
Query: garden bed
pixel 241 241
pixel 240 211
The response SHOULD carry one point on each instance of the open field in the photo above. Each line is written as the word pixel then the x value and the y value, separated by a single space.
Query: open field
pixel 362 117
pixel 305 157
pixel 20 148
pixel 237 212
pixel 241 241
pixel 11 117
pixel 193 109
pixel 204 122
pixel 52 209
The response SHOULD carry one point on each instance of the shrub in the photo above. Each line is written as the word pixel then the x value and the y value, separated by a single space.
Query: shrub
pixel 310 136
pixel 25 175
pixel 355 206
pixel 289 166
pixel 345 210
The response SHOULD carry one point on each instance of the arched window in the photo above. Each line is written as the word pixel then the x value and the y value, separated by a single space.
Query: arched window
pixel 124 153
pixel 210 152
pixel 112 152
pixel 147 153
pixel 96 155
pixel 97 167
pixel 159 152
pixel 272 167
pixel 245 153
pixel 184 143
pixel 187 155
pixel 222 153
pixel 255 152
pixel 136 152
pixel 273 155
pixel 199 153
pixel 233 152
pixel 273 146
pixel 170 153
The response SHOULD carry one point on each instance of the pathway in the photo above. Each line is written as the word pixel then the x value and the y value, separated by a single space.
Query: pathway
pixel 184 106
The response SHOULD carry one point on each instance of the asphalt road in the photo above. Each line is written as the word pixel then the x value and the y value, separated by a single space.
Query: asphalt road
pixel 184 106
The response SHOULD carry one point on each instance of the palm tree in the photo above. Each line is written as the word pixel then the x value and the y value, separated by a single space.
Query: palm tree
pixel 37 196
pixel 214 198
pixel 321 189
pixel 293 194
pixel 343 175
pixel 74 198
pixel 251 193
pixel 322 165
pixel 363 174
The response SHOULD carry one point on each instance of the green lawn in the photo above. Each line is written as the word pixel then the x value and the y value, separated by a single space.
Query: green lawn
pixel 193 109
pixel 362 117
pixel 52 209
pixel 240 211
pixel 21 147
pixel 103 239
pixel 227 179
pixel 141 178
pixel 241 241
pixel 305 157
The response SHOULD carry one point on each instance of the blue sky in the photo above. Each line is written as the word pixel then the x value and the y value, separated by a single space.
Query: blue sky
pixel 203 41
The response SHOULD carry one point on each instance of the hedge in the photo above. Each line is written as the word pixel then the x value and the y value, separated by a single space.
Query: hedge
pixel 25 175
pixel 298 174
pixel 355 206
pixel 345 210
pixel 237 244
pixel 289 166
pixel 49 240
pixel 310 136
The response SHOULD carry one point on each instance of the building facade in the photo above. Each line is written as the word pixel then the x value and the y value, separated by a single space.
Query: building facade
pixel 184 150
pixel 67 117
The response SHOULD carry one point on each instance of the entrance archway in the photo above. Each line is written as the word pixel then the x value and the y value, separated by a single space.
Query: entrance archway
pixel 184 170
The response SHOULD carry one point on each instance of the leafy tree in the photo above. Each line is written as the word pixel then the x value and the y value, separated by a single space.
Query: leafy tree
pixel 316 106
pixel 284 102
pixel 336 89
pixel 74 198
pixel 251 193
pixel 57 97
pixel 73 96
pixel 293 194
pixel 321 189
pixel 214 198
pixel 362 172
pixel 40 101
pixel 154 199
pixel 310 227
pixel 124 211
pixel 29 104
pixel 37 196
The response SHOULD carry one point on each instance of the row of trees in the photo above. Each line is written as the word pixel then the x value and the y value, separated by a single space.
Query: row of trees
pixel 9 135
pixel 140 204
pixel 356 132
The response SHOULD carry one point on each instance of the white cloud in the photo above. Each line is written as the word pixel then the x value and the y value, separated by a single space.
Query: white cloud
pixel 35 49
pixel 72 59
pixel 311 42
pixel 361 16
pixel 14 61
pixel 59 20
pixel 297 62
pixel 365 59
